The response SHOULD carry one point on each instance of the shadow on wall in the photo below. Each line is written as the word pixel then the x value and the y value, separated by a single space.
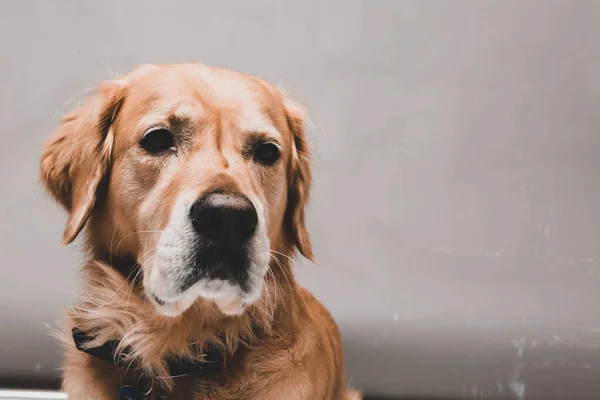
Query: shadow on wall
pixel 413 398
pixel 425 364
pixel 19 383
pixel 490 365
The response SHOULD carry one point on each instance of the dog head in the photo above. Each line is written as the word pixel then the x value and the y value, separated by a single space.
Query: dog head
pixel 198 174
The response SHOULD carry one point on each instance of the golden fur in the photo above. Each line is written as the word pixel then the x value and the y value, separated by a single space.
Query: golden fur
pixel 285 345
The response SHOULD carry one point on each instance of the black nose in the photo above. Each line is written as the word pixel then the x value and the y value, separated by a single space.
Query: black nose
pixel 227 219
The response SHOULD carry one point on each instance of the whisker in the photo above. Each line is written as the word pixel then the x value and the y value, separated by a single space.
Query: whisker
pixel 111 73
pixel 281 254
pixel 132 233
pixel 282 269
pixel 170 377
pixel 112 238
pixel 66 103
pixel 275 282
pixel 132 284
pixel 276 289
pixel 270 306
pixel 130 288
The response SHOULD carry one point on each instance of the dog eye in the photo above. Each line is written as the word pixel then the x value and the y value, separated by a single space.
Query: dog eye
pixel 157 140
pixel 267 154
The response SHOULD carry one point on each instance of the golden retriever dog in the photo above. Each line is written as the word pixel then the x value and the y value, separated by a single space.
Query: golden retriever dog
pixel 190 183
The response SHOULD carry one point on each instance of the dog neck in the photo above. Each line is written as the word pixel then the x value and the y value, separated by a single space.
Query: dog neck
pixel 113 307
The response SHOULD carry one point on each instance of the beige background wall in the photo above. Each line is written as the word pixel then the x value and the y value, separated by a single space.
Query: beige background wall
pixel 456 206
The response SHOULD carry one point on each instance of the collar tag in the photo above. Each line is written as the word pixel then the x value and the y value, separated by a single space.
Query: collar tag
pixel 128 393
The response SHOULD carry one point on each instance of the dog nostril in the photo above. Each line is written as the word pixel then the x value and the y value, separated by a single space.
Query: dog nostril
pixel 209 223
pixel 246 225
pixel 159 301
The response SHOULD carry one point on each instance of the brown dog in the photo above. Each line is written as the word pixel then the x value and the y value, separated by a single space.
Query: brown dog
pixel 191 182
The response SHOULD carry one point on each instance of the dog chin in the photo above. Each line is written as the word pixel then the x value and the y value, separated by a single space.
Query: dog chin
pixel 231 307
pixel 173 308
pixel 229 299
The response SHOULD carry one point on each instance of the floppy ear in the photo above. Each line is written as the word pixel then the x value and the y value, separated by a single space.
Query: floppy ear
pixel 76 157
pixel 299 181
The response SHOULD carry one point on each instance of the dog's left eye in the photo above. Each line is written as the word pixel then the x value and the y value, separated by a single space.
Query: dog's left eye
pixel 267 153
pixel 157 140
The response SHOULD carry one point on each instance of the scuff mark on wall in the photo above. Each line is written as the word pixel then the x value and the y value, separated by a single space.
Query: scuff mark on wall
pixel 516 385
pixel 520 346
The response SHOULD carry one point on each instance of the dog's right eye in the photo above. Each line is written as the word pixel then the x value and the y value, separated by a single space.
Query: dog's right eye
pixel 157 140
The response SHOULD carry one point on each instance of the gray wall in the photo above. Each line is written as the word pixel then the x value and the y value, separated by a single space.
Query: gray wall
pixel 456 206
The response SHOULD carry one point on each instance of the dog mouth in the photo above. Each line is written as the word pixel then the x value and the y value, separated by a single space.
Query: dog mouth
pixel 171 308
pixel 230 281
pixel 218 266
pixel 229 305
pixel 159 301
